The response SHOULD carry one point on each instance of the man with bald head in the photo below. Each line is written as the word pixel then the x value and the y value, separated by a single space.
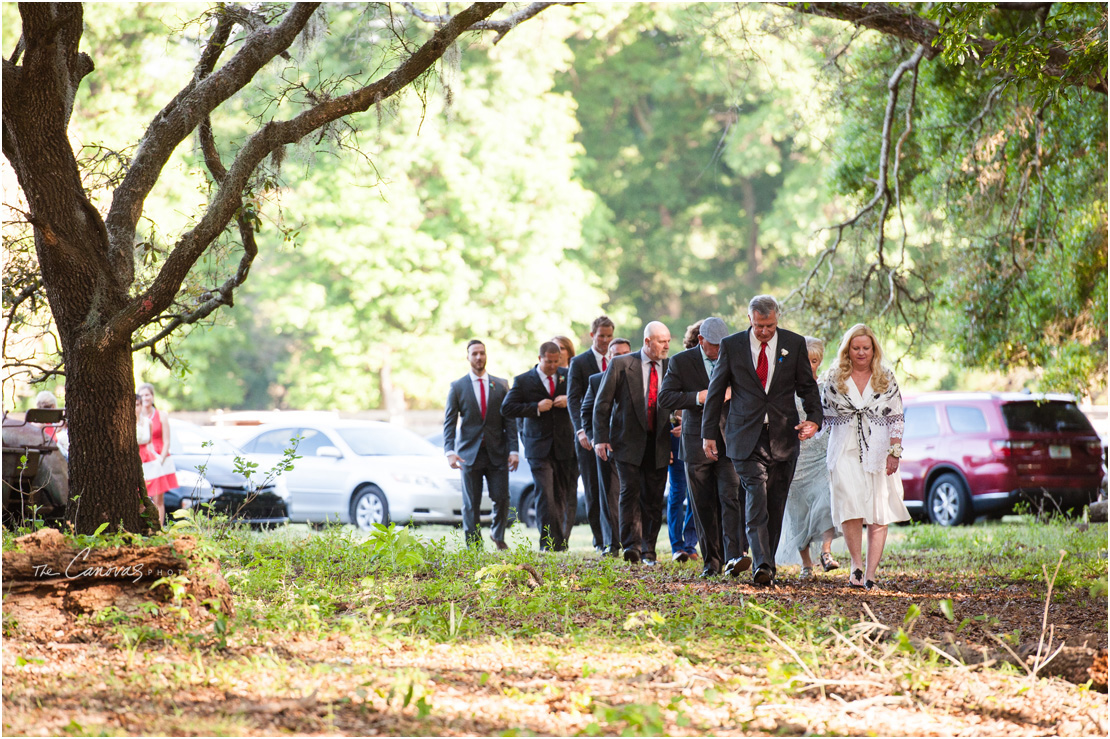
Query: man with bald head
pixel 631 429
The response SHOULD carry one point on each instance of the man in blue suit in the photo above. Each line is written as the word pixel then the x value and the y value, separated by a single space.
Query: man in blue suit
pixel 538 398
pixel 485 447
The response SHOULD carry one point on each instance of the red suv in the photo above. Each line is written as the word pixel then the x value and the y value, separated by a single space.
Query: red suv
pixel 970 454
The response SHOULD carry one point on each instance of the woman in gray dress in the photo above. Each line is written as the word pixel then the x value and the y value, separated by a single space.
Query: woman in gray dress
pixel 808 516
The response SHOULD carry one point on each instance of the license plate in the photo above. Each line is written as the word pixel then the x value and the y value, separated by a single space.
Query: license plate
pixel 1059 451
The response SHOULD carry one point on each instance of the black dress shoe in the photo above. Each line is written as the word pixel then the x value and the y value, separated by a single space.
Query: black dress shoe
pixel 631 557
pixel 742 563
pixel 709 572
pixel 762 575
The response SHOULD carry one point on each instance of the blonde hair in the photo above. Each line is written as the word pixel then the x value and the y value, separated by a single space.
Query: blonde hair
pixel 843 369
pixel 815 346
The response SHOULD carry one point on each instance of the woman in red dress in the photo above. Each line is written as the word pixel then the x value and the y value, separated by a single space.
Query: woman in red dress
pixel 158 469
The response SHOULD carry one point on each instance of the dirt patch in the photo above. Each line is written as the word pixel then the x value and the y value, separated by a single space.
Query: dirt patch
pixel 58 593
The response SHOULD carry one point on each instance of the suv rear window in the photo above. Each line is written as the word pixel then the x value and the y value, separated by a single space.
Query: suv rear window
pixel 1048 416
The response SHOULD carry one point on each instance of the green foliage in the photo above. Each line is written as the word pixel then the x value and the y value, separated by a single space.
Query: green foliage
pixel 1003 186
pixel 703 167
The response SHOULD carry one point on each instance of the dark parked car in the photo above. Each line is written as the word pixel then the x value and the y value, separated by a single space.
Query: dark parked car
pixel 522 491
pixel 206 476
pixel 969 454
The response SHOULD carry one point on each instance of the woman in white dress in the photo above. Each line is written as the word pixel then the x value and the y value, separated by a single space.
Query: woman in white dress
pixel 863 411
pixel 808 519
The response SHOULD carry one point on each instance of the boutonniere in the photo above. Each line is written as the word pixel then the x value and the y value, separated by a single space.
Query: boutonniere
pixel 782 354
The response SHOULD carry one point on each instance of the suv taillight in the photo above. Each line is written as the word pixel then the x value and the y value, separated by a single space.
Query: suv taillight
pixel 1007 447
pixel 1094 448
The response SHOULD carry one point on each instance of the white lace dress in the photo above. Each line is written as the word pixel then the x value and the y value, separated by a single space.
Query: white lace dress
pixel 874 496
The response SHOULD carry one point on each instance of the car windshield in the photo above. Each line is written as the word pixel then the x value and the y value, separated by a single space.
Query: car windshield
pixel 189 439
pixel 1049 416
pixel 373 441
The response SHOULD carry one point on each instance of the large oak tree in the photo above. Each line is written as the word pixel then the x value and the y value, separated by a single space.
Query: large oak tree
pixel 86 259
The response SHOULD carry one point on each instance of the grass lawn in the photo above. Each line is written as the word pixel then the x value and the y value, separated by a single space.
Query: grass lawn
pixel 406 632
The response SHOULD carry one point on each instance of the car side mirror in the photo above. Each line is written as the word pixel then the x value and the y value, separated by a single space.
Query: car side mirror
pixel 329 451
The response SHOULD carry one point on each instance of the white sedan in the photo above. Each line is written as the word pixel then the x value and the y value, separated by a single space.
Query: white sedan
pixel 361 472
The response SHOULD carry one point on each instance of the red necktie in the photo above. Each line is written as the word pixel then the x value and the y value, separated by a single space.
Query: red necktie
pixel 653 394
pixel 604 364
pixel 761 368
pixel 482 386
pixel 551 384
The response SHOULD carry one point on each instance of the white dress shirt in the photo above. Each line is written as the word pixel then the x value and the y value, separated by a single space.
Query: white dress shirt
pixel 547 386
pixel 772 347
pixel 598 357
pixel 475 385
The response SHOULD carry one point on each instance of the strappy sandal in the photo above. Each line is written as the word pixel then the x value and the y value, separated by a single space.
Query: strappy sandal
pixel 855 580
pixel 828 562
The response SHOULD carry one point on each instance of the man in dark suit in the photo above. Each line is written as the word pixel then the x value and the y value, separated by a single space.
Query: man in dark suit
pixel 539 399
pixel 485 447
pixel 714 486
pixel 608 484
pixel 589 362
pixel 631 426
pixel 764 367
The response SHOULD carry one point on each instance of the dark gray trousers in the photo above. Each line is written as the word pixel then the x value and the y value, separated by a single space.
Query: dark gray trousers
pixel 766 483
pixel 497 478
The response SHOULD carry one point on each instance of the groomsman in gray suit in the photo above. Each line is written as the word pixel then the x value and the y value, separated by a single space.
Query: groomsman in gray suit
pixel 485 447
pixel 595 359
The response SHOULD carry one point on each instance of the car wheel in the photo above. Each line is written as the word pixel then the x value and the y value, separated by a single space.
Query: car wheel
pixel 369 507
pixel 948 503
pixel 527 512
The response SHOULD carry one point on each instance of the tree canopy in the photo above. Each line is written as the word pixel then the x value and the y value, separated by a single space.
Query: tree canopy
pixel 938 171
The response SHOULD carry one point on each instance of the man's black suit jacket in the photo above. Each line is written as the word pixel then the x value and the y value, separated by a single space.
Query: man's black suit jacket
pixel 497 431
pixel 581 367
pixel 588 405
pixel 750 403
pixel 686 377
pixel 546 434
pixel 620 412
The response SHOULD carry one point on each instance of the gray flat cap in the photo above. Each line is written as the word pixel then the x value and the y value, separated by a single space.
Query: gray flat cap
pixel 714 330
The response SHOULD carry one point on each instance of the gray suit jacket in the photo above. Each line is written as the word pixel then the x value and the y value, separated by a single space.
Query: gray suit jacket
pixel 620 413
pixel 751 403
pixel 496 430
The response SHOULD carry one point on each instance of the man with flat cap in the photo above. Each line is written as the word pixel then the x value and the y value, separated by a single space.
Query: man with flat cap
pixel 715 493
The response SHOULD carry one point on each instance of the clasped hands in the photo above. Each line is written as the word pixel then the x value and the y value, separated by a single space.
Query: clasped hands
pixel 805 429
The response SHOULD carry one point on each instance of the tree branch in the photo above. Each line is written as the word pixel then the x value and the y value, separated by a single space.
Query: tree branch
pixel 501 26
pixel 183 114
pixel 269 137
pixel 901 22
pixel 882 189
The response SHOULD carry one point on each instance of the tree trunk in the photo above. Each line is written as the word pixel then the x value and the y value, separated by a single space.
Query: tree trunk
pixel 106 476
